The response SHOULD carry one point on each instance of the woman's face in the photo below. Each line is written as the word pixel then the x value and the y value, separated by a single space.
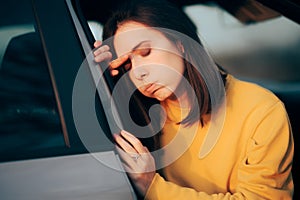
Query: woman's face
pixel 156 65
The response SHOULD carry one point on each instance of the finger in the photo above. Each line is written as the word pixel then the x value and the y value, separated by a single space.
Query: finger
pixel 119 61
pixel 135 142
pixel 97 44
pixel 101 49
pixel 126 158
pixel 103 56
pixel 114 72
pixel 124 144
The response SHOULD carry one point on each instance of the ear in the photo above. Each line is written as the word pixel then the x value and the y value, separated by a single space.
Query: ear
pixel 180 46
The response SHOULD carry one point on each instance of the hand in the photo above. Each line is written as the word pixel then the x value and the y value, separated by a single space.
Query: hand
pixel 137 160
pixel 102 53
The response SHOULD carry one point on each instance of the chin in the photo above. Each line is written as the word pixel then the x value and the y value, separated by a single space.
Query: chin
pixel 161 97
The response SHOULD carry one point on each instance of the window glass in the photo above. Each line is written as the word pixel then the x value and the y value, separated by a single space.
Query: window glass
pixel 29 120
pixel 266 52
pixel 96 29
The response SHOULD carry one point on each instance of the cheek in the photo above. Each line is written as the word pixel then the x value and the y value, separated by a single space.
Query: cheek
pixel 177 64
pixel 173 72
pixel 136 83
pixel 173 61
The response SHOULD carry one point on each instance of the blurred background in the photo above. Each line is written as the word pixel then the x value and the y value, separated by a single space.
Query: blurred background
pixel 268 50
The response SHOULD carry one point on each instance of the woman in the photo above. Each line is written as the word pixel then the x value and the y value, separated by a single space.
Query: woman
pixel 251 155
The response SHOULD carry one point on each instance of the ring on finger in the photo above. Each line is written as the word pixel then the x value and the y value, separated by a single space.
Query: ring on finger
pixel 135 157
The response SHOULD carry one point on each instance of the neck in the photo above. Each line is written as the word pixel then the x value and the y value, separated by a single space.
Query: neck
pixel 181 98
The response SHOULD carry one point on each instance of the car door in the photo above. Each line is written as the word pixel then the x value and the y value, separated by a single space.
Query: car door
pixel 42 155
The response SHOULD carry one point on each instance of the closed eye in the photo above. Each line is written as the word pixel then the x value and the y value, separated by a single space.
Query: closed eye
pixel 144 52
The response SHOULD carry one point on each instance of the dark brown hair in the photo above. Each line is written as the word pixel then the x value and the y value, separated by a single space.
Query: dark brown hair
pixel 163 14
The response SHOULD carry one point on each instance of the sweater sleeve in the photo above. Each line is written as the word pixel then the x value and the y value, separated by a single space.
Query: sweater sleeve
pixel 264 173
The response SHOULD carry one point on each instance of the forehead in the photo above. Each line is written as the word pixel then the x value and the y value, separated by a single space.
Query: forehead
pixel 131 33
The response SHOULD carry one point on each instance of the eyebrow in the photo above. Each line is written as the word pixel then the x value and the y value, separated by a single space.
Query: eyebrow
pixel 139 44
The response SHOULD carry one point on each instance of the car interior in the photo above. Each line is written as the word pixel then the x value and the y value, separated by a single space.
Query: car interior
pixel 228 28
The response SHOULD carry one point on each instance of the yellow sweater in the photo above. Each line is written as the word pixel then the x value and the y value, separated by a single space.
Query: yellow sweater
pixel 251 158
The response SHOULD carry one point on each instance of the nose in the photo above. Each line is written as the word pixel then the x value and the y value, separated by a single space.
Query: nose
pixel 140 73
pixel 139 69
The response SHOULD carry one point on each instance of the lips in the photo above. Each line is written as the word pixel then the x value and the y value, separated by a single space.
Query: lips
pixel 151 88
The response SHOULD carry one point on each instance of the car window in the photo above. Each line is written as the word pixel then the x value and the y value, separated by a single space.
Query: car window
pixel 29 121
pixel 266 52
